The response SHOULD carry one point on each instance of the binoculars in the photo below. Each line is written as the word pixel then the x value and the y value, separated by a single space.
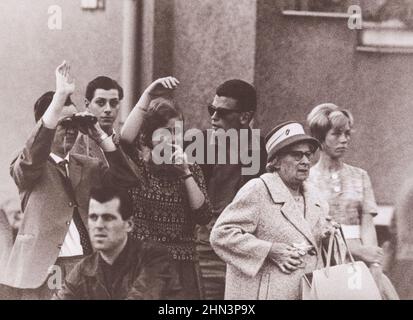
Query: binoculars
pixel 79 121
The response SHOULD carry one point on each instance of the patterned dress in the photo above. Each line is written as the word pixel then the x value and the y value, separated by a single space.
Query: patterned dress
pixel 348 192
pixel 350 195
pixel 162 214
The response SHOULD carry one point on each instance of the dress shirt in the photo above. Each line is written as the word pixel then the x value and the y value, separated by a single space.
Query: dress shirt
pixel 71 245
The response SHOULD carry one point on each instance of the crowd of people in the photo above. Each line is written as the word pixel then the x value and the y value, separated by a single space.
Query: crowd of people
pixel 126 215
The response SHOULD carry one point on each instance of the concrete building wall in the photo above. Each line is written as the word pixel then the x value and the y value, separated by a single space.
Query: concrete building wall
pixel 304 61
pixel 214 40
pixel 30 51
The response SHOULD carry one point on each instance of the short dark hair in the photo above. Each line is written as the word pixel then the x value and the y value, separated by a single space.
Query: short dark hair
pixel 160 111
pixel 105 194
pixel 242 91
pixel 44 102
pixel 104 83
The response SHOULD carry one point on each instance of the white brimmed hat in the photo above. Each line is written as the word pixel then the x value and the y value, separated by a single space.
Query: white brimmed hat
pixel 286 134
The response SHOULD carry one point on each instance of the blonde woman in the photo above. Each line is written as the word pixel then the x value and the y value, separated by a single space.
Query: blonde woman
pixel 346 188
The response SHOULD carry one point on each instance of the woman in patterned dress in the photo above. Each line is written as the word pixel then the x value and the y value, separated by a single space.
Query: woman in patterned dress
pixel 347 189
pixel 170 196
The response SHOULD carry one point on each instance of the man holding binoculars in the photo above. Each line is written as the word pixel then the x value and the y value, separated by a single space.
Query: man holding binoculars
pixel 54 189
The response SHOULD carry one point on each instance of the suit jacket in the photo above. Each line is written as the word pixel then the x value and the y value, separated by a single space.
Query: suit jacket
pixel 90 148
pixel 47 206
pixel 264 212
pixel 144 273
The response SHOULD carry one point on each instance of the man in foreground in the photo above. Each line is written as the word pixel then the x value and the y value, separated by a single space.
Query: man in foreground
pixel 120 268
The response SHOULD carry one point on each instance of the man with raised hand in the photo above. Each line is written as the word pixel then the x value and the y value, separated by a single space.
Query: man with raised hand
pixel 54 190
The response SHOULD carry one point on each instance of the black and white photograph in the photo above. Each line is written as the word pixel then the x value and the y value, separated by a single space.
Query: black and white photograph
pixel 198 152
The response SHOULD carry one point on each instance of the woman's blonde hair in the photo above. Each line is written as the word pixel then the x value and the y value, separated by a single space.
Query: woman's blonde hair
pixel 326 116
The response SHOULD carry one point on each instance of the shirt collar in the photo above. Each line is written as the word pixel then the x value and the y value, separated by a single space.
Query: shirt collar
pixel 58 159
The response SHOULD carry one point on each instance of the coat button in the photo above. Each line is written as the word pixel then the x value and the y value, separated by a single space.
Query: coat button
pixel 70 204
pixel 67 223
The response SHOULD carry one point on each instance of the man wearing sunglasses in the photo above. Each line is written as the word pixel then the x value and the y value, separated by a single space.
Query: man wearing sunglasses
pixel 54 189
pixel 102 99
pixel 232 108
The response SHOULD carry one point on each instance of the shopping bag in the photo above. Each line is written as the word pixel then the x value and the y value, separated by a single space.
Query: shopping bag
pixel 345 281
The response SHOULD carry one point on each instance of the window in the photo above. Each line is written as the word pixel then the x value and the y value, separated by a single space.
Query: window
pixel 377 11
pixel 388 10
pixel 331 6
pixel 385 26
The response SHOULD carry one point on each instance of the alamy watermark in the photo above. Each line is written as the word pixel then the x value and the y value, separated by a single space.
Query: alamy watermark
pixel 355 278
pixel 215 147
pixel 55 20
pixel 355 21
pixel 55 279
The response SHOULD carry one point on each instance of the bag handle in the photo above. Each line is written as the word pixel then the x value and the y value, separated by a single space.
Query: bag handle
pixel 348 249
pixel 330 250
pixel 333 243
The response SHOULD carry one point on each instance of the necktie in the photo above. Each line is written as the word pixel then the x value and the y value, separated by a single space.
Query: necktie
pixel 83 233
pixel 62 168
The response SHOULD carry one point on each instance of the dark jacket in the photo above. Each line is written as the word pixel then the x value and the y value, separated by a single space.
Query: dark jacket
pixel 145 273
pixel 224 180
pixel 207 168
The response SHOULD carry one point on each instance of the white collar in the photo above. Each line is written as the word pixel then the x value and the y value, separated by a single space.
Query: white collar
pixel 58 159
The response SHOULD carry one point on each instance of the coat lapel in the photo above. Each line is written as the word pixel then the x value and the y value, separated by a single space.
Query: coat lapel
pixel 313 206
pixel 75 171
pixel 281 195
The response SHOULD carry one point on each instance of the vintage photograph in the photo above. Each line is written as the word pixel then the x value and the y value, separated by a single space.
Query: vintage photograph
pixel 199 150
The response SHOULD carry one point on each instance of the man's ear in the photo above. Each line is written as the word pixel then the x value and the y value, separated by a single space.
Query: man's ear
pixel 246 117
pixel 87 102
pixel 129 224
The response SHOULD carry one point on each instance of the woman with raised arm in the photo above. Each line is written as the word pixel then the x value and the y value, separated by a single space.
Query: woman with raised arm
pixel 170 196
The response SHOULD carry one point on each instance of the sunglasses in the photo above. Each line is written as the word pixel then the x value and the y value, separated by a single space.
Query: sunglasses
pixel 221 112
pixel 298 155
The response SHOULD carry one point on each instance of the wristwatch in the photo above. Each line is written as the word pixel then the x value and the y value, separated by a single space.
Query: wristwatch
pixel 102 137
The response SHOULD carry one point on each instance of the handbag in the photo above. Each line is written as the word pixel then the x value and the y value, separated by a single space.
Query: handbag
pixel 344 281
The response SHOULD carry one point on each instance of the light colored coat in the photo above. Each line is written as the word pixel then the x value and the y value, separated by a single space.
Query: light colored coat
pixel 6 239
pixel 263 212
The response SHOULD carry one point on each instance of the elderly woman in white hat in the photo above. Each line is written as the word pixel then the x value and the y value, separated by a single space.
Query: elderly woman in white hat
pixel 270 234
